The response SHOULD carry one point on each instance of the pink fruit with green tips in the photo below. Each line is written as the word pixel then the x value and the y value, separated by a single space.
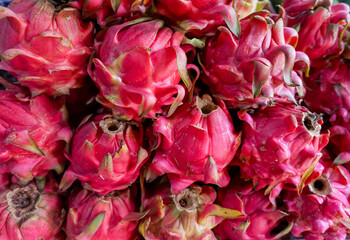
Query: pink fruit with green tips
pixel 196 143
pixel 255 67
pixel 33 134
pixel 281 144
pixel 106 154
pixel 92 216
pixel 138 66
pixel 321 26
pixel 322 210
pixel 45 48
pixel 261 220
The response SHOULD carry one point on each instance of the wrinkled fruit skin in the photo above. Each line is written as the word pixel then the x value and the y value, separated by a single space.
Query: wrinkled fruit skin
pixel 106 154
pixel 91 216
pixel 280 144
pixel 137 68
pixel 39 216
pixel 321 27
pixel 47 51
pixel 189 214
pixel 251 69
pixel 33 135
pixel 196 143
pixel 322 210
pixel 261 218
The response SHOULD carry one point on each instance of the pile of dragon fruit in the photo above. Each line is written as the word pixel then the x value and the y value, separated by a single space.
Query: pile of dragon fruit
pixel 174 119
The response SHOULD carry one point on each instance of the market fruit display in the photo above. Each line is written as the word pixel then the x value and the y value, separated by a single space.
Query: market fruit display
pixel 169 119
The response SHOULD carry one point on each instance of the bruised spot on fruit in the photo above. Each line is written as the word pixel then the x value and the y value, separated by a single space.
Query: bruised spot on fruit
pixel 205 104
pixel 312 122
pixel 186 200
pixel 111 125
pixel 22 201
pixel 321 186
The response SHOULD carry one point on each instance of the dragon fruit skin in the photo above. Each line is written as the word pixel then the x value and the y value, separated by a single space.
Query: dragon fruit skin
pixel 188 143
pixel 248 71
pixel 106 154
pixel 105 11
pixel 34 211
pixel 189 214
pixel 340 137
pixel 261 217
pixel 53 67
pixel 247 7
pixel 321 27
pixel 281 145
pixel 199 17
pixel 330 82
pixel 322 210
pixel 33 135
pixel 137 68
pixel 91 216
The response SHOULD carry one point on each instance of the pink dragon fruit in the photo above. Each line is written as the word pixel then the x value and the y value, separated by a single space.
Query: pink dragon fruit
pixel 195 144
pixel 108 10
pixel 262 219
pixel 48 51
pixel 91 216
pixel 137 68
pixel 328 88
pixel 31 212
pixel 340 137
pixel 252 69
pixel 321 27
pixel 322 210
pixel 106 154
pixel 33 134
pixel 199 17
pixel 189 214
pixel 281 144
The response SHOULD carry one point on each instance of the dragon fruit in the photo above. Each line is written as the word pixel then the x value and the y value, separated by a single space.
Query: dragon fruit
pixel 188 144
pixel 34 211
pixel 189 214
pixel 322 210
pixel 330 82
pixel 281 144
pixel 91 216
pixel 262 220
pixel 321 27
pixel 199 17
pixel 252 69
pixel 106 11
pixel 106 154
pixel 340 137
pixel 33 134
pixel 137 68
pixel 46 49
